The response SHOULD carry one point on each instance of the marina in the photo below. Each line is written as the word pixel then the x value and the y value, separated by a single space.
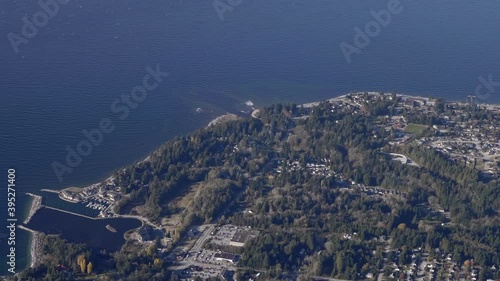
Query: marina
pixel 98 197
pixel 101 233
pixel 96 205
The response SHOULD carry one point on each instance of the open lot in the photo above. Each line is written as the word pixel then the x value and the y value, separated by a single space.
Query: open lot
pixel 416 129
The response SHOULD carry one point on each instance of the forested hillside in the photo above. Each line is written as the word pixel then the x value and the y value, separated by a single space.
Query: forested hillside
pixel 321 185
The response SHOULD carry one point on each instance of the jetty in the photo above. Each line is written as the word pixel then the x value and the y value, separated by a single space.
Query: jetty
pixel 142 219
pixel 35 206
pixel 27 229
pixel 50 190
pixel 69 212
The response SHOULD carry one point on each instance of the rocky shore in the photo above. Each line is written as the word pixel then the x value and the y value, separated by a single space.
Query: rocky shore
pixel 36 248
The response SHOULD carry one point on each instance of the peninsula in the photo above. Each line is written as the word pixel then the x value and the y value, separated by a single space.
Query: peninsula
pixel 363 186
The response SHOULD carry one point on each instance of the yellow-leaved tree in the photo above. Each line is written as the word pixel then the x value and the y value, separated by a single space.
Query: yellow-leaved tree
pixel 81 262
pixel 151 250
pixel 89 268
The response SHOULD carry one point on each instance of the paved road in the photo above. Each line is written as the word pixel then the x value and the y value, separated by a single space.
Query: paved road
pixel 406 160
pixel 204 236
pixel 327 278
pixel 188 263
pixel 197 247
pixel 143 219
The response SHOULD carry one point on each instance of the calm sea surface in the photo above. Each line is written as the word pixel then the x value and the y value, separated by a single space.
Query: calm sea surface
pixel 65 78
pixel 84 230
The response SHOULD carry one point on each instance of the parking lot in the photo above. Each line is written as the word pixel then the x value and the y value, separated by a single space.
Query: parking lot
pixel 205 263
pixel 203 272
pixel 206 257
pixel 224 235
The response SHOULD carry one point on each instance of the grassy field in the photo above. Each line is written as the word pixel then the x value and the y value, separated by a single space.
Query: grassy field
pixel 415 128
pixel 75 189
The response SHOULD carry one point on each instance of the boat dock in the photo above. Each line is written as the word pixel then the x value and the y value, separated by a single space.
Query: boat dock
pixel 96 206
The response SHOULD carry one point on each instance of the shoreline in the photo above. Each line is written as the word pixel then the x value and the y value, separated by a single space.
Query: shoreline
pixel 36 248
pixel 223 118
pixel 254 111
pixel 233 116
pixel 404 96
pixel 35 245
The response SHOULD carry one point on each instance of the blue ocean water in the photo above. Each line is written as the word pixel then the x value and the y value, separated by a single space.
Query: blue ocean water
pixel 65 78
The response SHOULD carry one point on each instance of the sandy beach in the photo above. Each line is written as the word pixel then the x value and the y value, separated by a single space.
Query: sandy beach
pixel 222 118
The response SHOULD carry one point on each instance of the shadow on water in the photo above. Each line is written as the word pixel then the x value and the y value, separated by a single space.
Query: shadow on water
pixel 83 230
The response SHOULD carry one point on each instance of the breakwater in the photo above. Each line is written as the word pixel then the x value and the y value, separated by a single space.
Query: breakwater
pixel 35 206
pixel 69 212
